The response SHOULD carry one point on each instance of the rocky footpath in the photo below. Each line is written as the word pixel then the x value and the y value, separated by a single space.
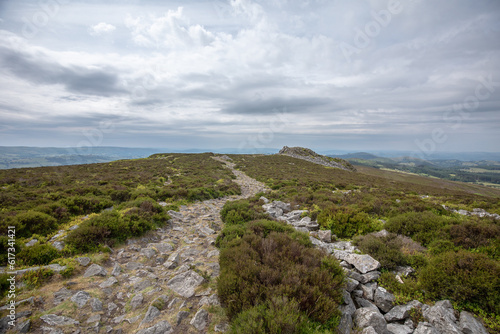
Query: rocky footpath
pixel 369 308
pixel 161 283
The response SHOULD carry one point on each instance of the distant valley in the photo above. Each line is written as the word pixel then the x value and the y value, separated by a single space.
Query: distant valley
pixel 483 172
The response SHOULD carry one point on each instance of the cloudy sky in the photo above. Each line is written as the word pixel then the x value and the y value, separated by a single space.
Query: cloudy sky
pixel 420 75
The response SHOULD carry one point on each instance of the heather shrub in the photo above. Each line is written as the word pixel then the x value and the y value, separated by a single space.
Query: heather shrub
pixel 387 250
pixel 262 268
pixel 346 222
pixel 420 226
pixel 109 227
pixel 474 233
pixel 439 246
pixel 34 222
pixel 465 277
pixel 80 205
pixel 39 254
pixel 242 211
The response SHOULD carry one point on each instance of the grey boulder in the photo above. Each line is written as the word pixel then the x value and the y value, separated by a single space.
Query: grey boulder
pixel 184 284
pixel 366 317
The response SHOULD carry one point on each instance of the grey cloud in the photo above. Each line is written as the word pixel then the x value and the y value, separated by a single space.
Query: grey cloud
pixel 275 105
pixel 40 70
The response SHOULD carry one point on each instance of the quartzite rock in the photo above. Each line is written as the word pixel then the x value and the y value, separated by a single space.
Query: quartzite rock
pixel 383 299
pixel 184 284
pixel 366 317
pixel 471 325
pixel 200 319
pixel 95 270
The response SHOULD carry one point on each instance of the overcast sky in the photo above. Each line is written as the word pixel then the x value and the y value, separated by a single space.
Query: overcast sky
pixel 416 75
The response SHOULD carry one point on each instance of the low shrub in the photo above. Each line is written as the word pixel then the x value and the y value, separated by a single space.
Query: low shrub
pixel 241 211
pixel 404 293
pixel 39 254
pixel 34 222
pixel 423 227
pixel 109 227
pixel 35 278
pixel 474 233
pixel 387 250
pixel 80 205
pixel 265 269
pixel 346 222
pixel 465 277
pixel 439 246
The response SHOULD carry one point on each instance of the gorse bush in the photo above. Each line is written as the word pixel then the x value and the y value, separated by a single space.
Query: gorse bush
pixel 38 254
pixel 267 268
pixel 33 222
pixel 346 222
pixel 113 226
pixel 465 277
pixel 241 211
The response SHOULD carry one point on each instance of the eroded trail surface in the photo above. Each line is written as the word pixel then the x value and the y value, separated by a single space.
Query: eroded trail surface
pixel 161 283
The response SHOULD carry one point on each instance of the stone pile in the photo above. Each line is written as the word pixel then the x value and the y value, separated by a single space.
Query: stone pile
pixel 475 212
pixel 368 306
pixel 282 211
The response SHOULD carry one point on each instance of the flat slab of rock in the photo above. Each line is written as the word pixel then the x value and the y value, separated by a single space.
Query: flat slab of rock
pixel 471 325
pixel 184 284
pixel 80 298
pixel 200 319
pixel 83 261
pixel 442 317
pixel 364 263
pixel 383 299
pixel 366 317
pixel 95 270
pixel 108 283
pixel 56 320
pixel 163 327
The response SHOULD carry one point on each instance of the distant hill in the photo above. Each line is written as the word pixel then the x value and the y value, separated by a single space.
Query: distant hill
pixel 309 155
pixel 479 172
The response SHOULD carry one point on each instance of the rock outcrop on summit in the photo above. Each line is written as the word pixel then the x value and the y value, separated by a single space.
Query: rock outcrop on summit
pixel 311 156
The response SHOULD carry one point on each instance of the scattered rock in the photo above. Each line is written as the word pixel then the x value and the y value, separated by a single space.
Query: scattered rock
pixel 366 317
pixel 470 325
pixel 96 305
pixel 383 299
pixel 151 315
pixel 401 312
pixel 136 301
pixel 55 320
pixel 95 270
pixel 184 284
pixel 426 328
pixel 108 283
pixel 116 270
pixel 80 298
pixel 83 261
pixel 163 327
pixel 399 329
pixel 31 242
pixel 325 235
pixel 59 245
pixel 200 320
pixel 442 317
